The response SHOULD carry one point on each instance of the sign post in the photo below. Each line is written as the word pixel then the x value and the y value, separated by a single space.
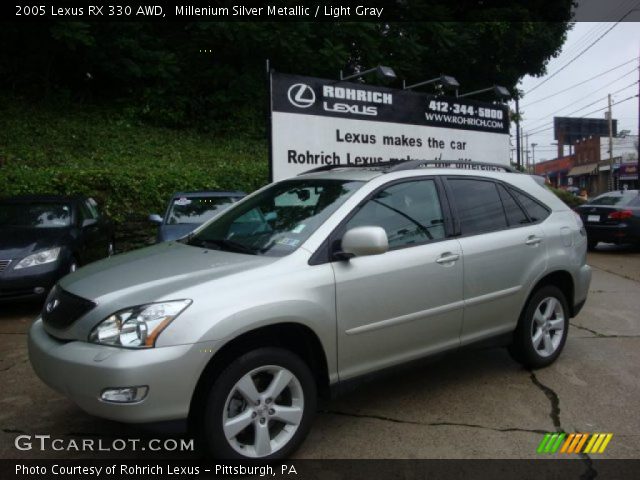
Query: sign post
pixel 316 122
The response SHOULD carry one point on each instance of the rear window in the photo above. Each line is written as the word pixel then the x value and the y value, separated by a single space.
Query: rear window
pixel 478 206
pixel 619 199
pixel 534 209
pixel 515 214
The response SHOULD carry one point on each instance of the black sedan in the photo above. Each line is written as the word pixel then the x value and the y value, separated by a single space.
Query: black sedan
pixel 42 238
pixel 613 217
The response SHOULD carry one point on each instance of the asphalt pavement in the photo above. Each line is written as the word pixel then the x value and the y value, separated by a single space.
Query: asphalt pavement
pixel 469 404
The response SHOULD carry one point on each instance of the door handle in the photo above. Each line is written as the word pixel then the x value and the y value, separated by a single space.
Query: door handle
pixel 447 257
pixel 533 240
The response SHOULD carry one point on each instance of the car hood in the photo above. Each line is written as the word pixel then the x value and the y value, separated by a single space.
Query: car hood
pixel 155 273
pixel 16 242
pixel 174 232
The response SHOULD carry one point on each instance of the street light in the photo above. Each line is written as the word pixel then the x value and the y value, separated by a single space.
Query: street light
pixel 502 93
pixel 384 73
pixel 446 81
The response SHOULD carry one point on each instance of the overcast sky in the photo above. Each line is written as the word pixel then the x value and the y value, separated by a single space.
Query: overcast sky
pixel 620 45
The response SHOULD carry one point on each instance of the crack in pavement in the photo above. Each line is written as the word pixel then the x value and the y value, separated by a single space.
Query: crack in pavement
pixel 554 414
pixel 602 335
pixel 12 365
pixel 614 273
pixel 429 424
pixel 553 399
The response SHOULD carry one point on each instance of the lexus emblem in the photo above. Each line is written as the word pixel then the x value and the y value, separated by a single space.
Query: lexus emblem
pixel 301 95
pixel 52 305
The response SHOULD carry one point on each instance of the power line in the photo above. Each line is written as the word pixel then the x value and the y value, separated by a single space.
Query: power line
pixel 536 124
pixel 549 77
pixel 580 83
pixel 586 114
pixel 587 37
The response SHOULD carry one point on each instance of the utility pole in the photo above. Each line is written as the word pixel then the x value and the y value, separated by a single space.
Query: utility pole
pixel 533 157
pixel 518 160
pixel 527 152
pixel 611 183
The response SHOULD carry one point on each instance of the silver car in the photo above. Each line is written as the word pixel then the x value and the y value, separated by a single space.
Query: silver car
pixel 306 285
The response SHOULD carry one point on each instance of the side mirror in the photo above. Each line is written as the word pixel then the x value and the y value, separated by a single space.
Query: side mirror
pixel 155 218
pixel 87 222
pixel 361 241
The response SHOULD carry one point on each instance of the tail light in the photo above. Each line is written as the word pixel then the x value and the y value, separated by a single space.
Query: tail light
pixel 621 215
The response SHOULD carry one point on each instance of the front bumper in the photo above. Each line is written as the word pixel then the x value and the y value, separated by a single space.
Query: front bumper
pixel 81 371
pixel 32 282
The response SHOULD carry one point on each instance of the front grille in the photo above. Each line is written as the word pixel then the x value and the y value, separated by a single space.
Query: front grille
pixel 4 264
pixel 16 292
pixel 63 308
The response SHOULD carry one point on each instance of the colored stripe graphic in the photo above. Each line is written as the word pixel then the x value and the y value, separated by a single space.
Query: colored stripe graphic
pixel 555 447
pixel 560 442
pixel 581 443
pixel 543 443
pixel 567 443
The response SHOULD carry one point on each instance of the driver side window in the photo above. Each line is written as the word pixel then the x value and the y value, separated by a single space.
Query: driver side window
pixel 409 212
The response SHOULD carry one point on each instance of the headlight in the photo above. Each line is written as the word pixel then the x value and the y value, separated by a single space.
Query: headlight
pixel 39 258
pixel 137 327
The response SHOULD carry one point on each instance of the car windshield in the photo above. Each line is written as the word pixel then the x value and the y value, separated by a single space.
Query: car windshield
pixel 35 215
pixel 276 221
pixel 196 209
pixel 620 199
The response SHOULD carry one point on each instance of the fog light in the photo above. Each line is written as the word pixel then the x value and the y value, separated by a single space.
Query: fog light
pixel 124 394
pixel 38 290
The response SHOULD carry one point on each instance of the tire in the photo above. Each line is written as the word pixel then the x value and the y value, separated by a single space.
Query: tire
pixel 111 248
pixel 259 432
pixel 591 245
pixel 536 319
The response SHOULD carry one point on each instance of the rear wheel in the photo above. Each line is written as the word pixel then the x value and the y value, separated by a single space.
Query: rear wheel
pixel 261 406
pixel 542 329
pixel 591 245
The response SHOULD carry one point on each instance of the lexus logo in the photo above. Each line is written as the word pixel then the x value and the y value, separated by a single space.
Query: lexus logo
pixel 301 95
pixel 52 305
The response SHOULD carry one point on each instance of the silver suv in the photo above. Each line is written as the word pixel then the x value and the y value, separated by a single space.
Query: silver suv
pixel 309 283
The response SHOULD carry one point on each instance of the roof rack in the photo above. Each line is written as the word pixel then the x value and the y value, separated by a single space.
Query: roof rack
pixel 399 165
pixel 413 164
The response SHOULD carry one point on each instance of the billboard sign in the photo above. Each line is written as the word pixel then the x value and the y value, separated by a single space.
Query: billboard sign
pixel 317 122
pixel 568 130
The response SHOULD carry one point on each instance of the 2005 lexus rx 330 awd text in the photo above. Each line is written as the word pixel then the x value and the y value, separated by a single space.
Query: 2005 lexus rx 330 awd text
pixel 309 283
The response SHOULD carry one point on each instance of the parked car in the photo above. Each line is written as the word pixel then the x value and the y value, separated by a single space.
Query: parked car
pixel 44 237
pixel 309 284
pixel 188 210
pixel 613 217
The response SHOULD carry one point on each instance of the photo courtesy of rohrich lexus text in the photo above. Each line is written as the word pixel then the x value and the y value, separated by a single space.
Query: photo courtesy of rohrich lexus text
pixel 309 239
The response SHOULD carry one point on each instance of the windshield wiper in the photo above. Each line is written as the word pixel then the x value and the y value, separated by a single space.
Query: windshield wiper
pixel 223 244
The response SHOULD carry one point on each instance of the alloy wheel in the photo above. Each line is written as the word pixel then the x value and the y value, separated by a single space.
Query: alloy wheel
pixel 547 328
pixel 263 411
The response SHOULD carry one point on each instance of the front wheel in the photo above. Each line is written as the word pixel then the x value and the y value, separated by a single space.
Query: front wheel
pixel 542 330
pixel 261 406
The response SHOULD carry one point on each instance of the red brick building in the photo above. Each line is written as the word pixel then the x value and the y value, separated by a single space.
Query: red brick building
pixel 556 171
